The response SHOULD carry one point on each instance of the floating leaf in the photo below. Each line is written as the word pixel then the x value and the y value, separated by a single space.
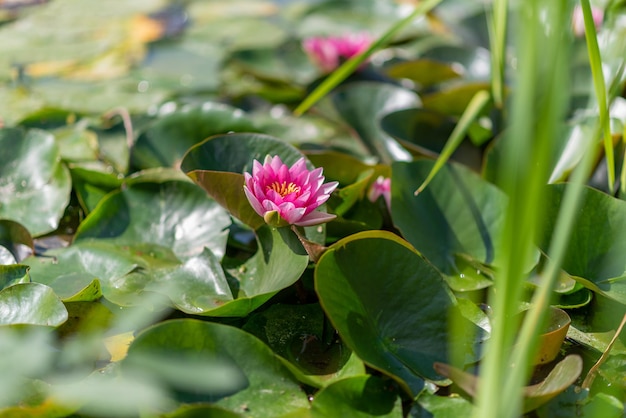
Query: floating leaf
pixel 227 189
pixel 363 104
pixel 437 406
pixel 372 303
pixel 425 132
pixel 165 141
pixel 358 397
pixel 195 285
pixel 235 152
pixel 597 241
pixel 36 198
pixel 560 378
pixel 77 144
pixel 16 239
pixel 220 364
pixel 202 411
pixel 279 263
pixel 425 72
pixel 458 213
pixel 91 184
pixel 454 99
pixel 32 304
pixel 13 274
pixel 177 214
pixel 301 335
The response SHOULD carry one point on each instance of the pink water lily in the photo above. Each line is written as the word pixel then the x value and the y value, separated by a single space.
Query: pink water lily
pixel 381 187
pixel 285 195
pixel 329 52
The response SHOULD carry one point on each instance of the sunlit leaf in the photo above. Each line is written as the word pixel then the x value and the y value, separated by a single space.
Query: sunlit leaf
pixel 195 285
pixel 372 303
pixel 34 185
pixel 177 214
pixel 31 303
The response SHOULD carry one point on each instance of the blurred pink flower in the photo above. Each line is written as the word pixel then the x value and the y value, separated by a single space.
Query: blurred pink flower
pixel 381 187
pixel 578 20
pixel 287 195
pixel 330 52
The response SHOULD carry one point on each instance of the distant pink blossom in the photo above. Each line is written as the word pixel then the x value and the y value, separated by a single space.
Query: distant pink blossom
pixel 328 53
pixel 381 187
pixel 578 20
pixel 287 195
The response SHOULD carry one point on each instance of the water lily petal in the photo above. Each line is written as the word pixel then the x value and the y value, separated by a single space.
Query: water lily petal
pixel 315 218
pixel 293 193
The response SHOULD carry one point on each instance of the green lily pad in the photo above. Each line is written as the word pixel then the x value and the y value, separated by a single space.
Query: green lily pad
pixel 458 213
pixel 77 144
pixel 597 241
pixel 219 364
pixel 34 185
pixel 558 380
pixel 165 141
pixel 91 183
pixel 227 189
pixel 574 300
pixel 16 240
pixel 235 152
pixel 454 99
pixel 93 394
pixel 32 304
pixel 195 285
pixel 425 72
pixel 425 132
pixel 279 263
pixel 202 411
pixel 301 335
pixel 469 275
pixel 437 406
pixel 286 63
pixel 177 214
pixel 574 402
pixel 472 63
pixel 391 308
pixel 344 168
pixel 13 274
pixel 358 397
pixel 363 104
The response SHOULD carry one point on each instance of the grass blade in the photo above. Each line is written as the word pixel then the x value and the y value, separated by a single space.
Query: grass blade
pixel 473 109
pixel 595 62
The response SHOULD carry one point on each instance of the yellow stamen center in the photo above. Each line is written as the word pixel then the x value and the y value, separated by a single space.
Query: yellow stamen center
pixel 284 188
